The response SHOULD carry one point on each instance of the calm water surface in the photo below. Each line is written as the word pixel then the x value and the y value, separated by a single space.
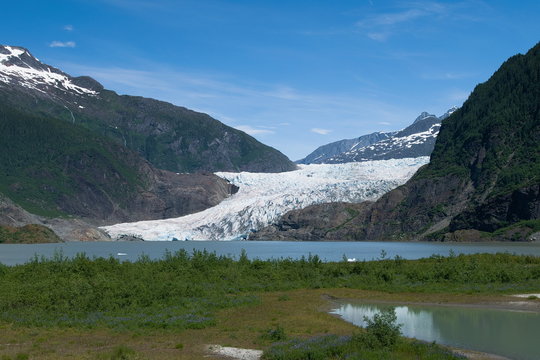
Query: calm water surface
pixel 511 334
pixel 328 251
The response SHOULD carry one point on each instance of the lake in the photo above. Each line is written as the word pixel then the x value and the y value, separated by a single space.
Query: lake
pixel 13 254
pixel 512 334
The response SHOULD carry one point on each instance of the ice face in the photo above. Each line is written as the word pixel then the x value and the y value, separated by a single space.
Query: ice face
pixel 263 198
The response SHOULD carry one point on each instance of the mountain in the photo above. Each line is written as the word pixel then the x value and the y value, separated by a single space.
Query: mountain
pixel 482 182
pixel 325 152
pixel 54 168
pixel 170 137
pixel 262 198
pixel 416 140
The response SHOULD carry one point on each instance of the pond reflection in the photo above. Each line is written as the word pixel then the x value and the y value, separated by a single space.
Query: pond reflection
pixel 508 333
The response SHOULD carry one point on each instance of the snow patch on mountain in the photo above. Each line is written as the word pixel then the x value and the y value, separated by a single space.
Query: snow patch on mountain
pixel 385 147
pixel 19 67
pixel 263 198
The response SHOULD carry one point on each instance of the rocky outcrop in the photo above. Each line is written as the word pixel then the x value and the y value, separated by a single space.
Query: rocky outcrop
pixel 405 213
pixel 15 218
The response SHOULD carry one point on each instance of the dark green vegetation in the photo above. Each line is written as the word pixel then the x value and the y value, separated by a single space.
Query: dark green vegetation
pixel 46 161
pixel 28 234
pixel 493 144
pixel 494 138
pixel 380 340
pixel 184 291
pixel 482 182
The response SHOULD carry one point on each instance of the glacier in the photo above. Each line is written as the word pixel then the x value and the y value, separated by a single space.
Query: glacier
pixel 264 197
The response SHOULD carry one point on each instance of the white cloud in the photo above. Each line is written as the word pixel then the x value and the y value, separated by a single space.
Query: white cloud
pixel 447 76
pixel 381 26
pixel 321 131
pixel 68 27
pixel 382 36
pixel 66 44
pixel 252 130
pixel 392 18
pixel 385 123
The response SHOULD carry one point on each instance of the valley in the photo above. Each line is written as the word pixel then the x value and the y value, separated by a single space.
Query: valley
pixel 149 207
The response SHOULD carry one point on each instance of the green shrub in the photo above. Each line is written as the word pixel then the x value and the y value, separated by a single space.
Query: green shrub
pixel 275 334
pixel 381 331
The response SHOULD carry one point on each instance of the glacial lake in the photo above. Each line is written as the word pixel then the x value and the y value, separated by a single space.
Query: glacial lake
pixel 511 334
pixel 13 254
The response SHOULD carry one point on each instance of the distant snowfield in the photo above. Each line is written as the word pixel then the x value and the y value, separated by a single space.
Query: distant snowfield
pixel 263 198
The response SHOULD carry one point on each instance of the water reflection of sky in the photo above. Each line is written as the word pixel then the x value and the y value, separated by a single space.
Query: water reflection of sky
pixel 508 333
pixel 414 323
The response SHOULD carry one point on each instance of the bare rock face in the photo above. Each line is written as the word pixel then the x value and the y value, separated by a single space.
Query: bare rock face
pixel 173 195
pixel 13 215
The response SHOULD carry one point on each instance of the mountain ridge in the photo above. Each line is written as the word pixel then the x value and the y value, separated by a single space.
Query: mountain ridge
pixel 417 139
pixel 171 137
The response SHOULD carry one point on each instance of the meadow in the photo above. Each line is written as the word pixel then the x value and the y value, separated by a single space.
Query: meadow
pixel 185 300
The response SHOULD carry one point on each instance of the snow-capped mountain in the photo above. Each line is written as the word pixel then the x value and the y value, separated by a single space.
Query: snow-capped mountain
pixel 19 68
pixel 170 137
pixel 416 140
pixel 264 197
pixel 323 153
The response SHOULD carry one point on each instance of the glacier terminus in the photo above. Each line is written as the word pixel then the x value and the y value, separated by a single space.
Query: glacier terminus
pixel 264 197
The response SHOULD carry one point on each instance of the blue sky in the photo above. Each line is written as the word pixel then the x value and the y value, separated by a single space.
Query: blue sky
pixel 294 74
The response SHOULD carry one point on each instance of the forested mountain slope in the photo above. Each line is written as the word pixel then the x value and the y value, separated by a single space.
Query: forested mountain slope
pixel 482 182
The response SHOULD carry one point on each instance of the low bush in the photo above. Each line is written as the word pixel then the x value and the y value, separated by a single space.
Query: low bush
pixel 380 340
